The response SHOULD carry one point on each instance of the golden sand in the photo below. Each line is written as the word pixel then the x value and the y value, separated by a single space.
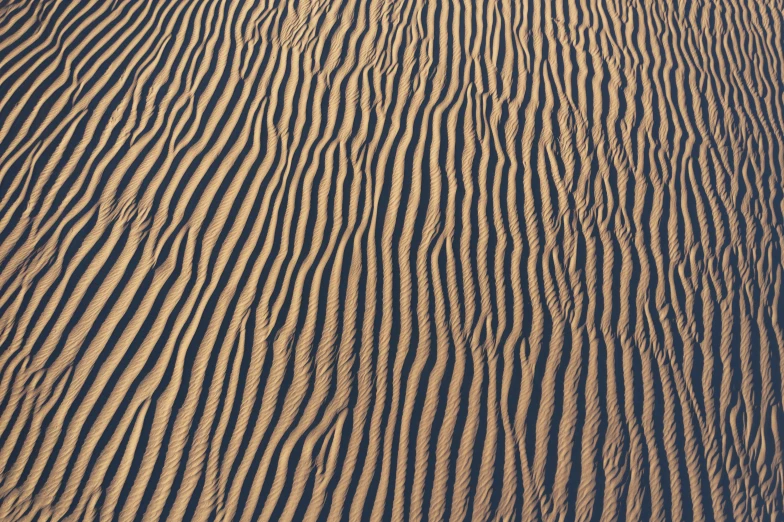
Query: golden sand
pixel 391 260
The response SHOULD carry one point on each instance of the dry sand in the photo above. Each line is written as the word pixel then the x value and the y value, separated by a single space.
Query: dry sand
pixel 391 260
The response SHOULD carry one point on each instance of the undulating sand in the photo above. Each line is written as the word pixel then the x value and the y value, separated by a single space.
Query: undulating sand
pixel 391 260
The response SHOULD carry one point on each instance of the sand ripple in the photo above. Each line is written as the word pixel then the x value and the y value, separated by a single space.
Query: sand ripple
pixel 375 260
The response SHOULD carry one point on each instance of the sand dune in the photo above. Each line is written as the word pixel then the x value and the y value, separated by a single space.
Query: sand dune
pixel 376 260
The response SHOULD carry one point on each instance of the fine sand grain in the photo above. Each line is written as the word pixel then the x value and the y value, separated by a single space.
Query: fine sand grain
pixel 391 260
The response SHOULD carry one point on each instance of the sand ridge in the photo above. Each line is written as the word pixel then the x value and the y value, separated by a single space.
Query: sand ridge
pixel 373 260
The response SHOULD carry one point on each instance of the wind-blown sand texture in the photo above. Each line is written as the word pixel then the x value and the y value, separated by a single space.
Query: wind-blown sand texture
pixel 391 260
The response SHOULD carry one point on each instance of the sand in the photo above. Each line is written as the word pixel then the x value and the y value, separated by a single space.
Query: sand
pixel 391 260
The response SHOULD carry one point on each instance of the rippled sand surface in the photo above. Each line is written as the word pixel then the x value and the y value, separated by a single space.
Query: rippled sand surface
pixel 391 260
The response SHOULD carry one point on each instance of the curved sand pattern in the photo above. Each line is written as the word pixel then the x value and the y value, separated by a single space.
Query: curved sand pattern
pixel 312 260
